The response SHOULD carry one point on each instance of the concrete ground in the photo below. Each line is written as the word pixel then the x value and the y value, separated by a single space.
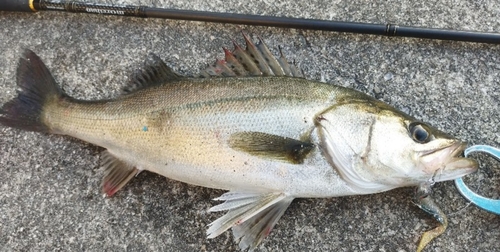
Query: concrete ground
pixel 49 185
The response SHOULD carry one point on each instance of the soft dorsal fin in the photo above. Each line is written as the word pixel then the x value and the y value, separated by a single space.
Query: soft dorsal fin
pixel 255 60
pixel 271 146
pixel 155 72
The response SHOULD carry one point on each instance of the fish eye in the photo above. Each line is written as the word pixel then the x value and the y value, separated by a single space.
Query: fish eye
pixel 419 132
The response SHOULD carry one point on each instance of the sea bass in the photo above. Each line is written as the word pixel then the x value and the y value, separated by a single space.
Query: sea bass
pixel 267 139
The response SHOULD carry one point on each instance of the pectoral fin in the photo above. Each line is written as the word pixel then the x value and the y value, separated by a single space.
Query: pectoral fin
pixel 117 173
pixel 271 146
pixel 251 216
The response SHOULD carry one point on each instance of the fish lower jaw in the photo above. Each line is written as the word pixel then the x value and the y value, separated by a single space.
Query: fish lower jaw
pixel 445 163
pixel 453 169
pixel 459 167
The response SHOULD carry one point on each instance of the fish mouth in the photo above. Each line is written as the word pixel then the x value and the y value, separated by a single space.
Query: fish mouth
pixel 448 163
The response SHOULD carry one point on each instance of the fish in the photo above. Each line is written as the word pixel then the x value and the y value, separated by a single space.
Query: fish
pixel 252 125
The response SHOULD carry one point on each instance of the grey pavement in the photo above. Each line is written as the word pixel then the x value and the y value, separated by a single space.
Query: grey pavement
pixel 50 198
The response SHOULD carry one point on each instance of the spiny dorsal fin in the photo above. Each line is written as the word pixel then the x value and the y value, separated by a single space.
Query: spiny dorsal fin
pixel 233 63
pixel 287 68
pixel 251 216
pixel 256 55
pixel 272 62
pixel 155 72
pixel 117 173
pixel 270 146
pixel 255 60
pixel 246 60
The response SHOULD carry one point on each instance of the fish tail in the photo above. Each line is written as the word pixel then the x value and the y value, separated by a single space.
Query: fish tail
pixel 37 88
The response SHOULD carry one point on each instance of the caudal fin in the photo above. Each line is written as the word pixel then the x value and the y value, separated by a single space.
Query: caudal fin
pixel 37 87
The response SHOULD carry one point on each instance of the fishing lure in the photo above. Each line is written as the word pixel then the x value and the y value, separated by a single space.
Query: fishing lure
pixel 488 204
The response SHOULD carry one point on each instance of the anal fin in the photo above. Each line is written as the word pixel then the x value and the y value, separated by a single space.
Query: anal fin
pixel 251 216
pixel 117 173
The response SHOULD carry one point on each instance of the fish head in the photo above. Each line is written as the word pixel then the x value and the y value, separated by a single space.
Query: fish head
pixel 437 153
pixel 375 147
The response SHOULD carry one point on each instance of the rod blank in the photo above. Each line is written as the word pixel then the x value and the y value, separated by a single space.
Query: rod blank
pixel 256 20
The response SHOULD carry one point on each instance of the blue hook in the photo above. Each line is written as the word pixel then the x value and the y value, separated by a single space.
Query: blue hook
pixel 487 204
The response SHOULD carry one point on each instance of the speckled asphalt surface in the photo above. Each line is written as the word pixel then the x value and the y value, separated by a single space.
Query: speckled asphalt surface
pixel 49 185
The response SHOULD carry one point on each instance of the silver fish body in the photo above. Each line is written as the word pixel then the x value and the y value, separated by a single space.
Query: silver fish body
pixel 182 130
pixel 267 140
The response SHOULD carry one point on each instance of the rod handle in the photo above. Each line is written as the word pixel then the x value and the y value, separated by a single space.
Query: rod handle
pixel 17 5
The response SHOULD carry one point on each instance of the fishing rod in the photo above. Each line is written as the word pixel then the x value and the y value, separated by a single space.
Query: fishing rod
pixel 391 30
